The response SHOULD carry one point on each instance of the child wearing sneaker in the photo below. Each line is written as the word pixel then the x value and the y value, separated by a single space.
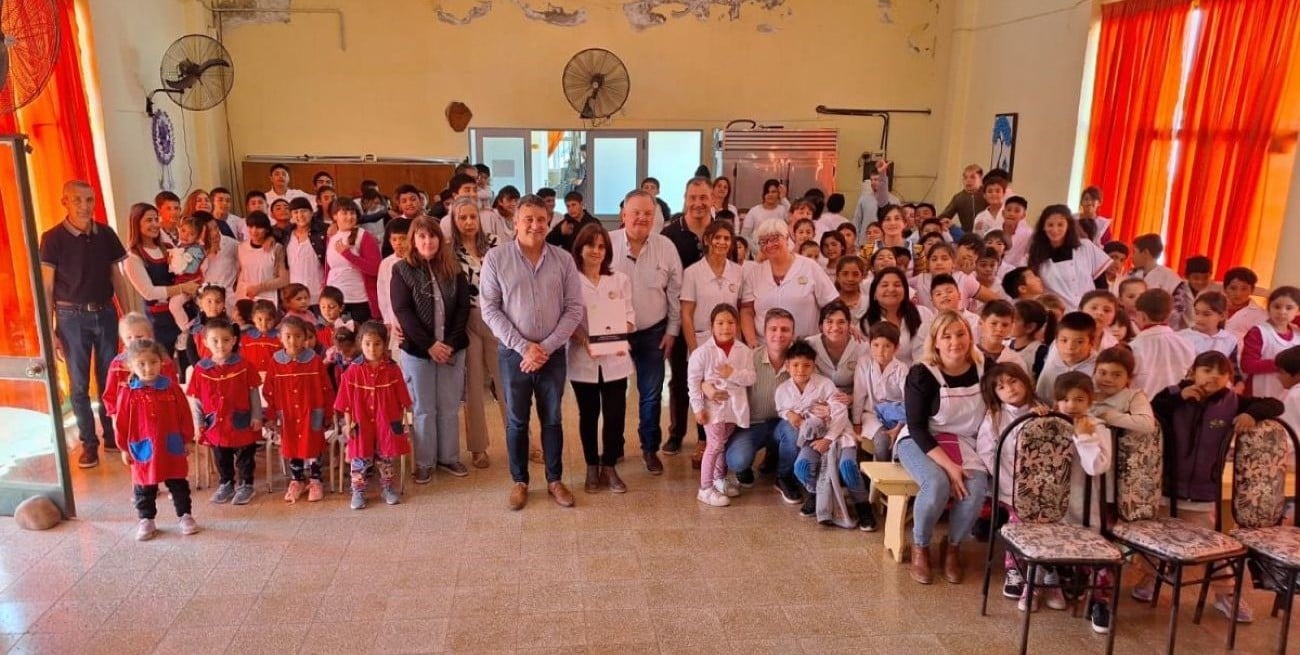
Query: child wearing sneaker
pixel 373 399
pixel 717 377
pixel 298 398
pixel 225 385
pixel 132 328
pixel 154 431
pixel 808 402
pixel 878 391
pixel 1197 416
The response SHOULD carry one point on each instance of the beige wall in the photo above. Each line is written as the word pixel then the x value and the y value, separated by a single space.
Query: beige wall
pixel 1016 56
pixel 130 38
pixel 296 91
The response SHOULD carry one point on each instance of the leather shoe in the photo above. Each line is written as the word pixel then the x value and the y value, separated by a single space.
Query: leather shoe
pixel 609 477
pixel 920 571
pixel 652 464
pixel 952 565
pixel 89 458
pixel 518 496
pixel 592 484
pixel 560 493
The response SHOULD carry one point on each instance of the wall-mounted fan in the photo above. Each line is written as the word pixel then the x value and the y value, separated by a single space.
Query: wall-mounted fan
pixel 29 46
pixel 596 83
pixel 196 73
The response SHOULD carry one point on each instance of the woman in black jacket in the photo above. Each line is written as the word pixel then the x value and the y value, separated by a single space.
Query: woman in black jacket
pixel 431 301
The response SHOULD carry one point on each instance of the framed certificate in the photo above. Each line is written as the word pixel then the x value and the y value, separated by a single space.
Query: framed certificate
pixel 607 327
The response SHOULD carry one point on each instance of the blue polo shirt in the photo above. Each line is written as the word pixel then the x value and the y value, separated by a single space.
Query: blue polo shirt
pixel 83 262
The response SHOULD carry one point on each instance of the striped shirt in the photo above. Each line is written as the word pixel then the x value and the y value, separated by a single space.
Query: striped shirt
pixel 523 303
pixel 762 396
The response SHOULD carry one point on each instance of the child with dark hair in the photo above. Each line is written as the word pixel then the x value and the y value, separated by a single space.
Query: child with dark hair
pixel 1243 314
pixel 299 398
pixel 1288 372
pixel 1117 272
pixel 995 322
pixel 1264 341
pixel 1022 283
pixel 878 390
pixel 1163 358
pixel 1207 332
pixel 1032 328
pixel 1116 403
pixel 1146 253
pixel 1198 416
pixel 373 399
pixel 226 388
pixel 258 343
pixel 1199 272
pixel 1072 350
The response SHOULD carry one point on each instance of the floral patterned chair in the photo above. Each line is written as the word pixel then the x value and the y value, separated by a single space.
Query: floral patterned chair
pixel 1169 545
pixel 1259 498
pixel 1043 460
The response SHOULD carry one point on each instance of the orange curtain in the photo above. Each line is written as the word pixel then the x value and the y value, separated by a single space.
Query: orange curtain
pixel 1134 97
pixel 1231 113
pixel 58 125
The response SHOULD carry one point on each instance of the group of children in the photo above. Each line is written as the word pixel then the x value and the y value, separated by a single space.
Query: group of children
pixel 295 375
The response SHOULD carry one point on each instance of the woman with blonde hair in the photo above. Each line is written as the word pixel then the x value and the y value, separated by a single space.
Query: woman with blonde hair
pixel 938 444
pixel 471 244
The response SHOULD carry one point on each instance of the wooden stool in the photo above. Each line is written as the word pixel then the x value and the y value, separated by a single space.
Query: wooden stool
pixel 896 484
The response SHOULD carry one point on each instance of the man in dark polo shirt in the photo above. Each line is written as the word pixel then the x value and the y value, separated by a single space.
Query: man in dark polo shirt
pixel 79 269
pixel 686 231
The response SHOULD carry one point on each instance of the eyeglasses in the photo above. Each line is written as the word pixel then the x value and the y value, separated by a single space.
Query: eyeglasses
pixel 770 239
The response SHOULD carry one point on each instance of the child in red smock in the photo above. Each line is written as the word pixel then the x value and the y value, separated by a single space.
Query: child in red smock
pixel 154 430
pixel 132 328
pixel 373 400
pixel 299 397
pixel 225 385
pixel 258 344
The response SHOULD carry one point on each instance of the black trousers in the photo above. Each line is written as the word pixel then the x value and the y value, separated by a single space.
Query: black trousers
pixel 232 461
pixel 146 498
pixel 301 469
pixel 679 403
pixel 359 312
pixel 594 400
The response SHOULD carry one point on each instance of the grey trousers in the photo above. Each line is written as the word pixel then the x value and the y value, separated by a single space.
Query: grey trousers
pixel 435 392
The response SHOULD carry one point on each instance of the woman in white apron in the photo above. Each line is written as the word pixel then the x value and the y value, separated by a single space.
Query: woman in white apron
pixel 1068 264
pixel 938 444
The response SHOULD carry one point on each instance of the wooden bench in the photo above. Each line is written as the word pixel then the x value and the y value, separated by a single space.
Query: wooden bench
pixel 896 484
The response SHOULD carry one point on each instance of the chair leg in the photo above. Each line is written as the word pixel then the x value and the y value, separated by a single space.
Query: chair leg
pixel 1173 611
pixel 1286 610
pixel 1239 574
pixel 1114 608
pixel 1031 573
pixel 988 573
pixel 1205 590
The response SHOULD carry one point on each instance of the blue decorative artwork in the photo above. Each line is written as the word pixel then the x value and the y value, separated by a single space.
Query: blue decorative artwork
pixel 1004 142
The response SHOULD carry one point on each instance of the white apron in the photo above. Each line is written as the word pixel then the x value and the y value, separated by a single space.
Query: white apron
pixel 1268 385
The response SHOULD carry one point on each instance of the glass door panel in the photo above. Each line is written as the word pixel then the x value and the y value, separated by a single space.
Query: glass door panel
pixel 671 158
pixel 617 165
pixel 33 453
pixel 507 156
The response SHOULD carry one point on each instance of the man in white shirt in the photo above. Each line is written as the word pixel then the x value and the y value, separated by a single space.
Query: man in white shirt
pixel 651 262
pixel 280 187
pixel 229 224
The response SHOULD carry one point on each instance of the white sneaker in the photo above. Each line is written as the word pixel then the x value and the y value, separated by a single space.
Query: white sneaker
pixel 712 497
pixel 1024 605
pixel 146 531
pixel 1223 603
pixel 1055 599
pixel 188 525
pixel 726 487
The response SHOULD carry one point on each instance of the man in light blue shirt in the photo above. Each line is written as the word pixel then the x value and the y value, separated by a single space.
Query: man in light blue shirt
pixel 531 299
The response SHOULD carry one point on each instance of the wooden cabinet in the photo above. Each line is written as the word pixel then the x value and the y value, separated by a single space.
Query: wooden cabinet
pixel 430 177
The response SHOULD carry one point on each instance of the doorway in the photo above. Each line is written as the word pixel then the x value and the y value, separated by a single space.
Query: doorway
pixel 602 165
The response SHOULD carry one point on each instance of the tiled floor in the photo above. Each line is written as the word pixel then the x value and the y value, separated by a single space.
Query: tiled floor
pixel 451 570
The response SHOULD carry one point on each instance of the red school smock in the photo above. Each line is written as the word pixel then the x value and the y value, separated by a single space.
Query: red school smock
pixel 226 393
pixel 258 347
pixel 298 394
pixel 154 424
pixel 118 375
pixel 376 397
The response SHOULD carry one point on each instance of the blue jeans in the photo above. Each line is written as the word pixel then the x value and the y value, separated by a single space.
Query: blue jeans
pixel 934 495
pixel 547 385
pixel 787 440
pixel 745 443
pixel 808 466
pixel 648 358
pixel 435 395
pixel 88 337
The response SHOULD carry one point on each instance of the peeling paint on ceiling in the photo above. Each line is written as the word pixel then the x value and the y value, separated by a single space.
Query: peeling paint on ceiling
pixel 476 12
pixel 645 14
pixel 553 14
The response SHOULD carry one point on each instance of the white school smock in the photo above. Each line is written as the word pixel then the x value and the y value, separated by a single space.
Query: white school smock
pixel 701 286
pixel 840 374
pixel 802 292
pixel 758 213
pixel 1163 358
pixel 256 265
pixel 967 286
pixel 1053 367
pixel 1269 385
pixel 1017 253
pixel 1247 317
pixel 872 385
pixel 912 346
pixel 1074 277
pixel 703 367
pixel 819 389
pixel 343 274
pixel 582 367
pixel 1223 341
pixel 222 267
pixel 305 267
pixel 986 222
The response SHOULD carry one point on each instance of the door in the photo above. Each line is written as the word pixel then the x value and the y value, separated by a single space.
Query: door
pixel 506 153
pixel 616 162
pixel 33 453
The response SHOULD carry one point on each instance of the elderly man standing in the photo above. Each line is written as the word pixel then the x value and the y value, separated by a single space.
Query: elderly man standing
pixel 79 270
pixel 651 262
pixel 531 299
